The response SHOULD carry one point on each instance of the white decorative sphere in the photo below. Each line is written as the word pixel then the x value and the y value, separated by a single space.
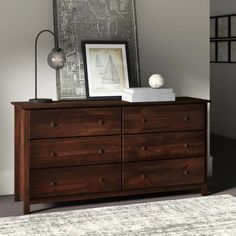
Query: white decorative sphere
pixel 156 81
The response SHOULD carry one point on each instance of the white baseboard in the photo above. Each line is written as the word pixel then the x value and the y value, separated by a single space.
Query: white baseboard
pixel 6 182
pixel 228 131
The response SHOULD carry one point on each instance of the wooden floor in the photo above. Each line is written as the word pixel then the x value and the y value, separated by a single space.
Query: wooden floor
pixel 223 182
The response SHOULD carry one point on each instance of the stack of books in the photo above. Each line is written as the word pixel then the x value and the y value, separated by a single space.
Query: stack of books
pixel 148 95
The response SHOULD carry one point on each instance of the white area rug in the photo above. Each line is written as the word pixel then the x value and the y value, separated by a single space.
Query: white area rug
pixel 215 215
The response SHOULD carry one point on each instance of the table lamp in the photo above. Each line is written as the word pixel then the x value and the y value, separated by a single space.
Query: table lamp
pixel 56 58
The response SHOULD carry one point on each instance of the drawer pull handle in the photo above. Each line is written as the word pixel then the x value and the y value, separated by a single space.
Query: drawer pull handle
pixel 186 118
pixel 53 184
pixel 53 154
pixel 54 124
pixel 186 145
pixel 143 176
pixel 101 122
pixel 101 180
pixel 144 148
pixel 144 121
pixel 187 172
pixel 101 151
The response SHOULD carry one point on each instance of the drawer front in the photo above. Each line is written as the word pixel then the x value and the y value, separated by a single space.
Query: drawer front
pixel 75 180
pixel 163 145
pixel 163 173
pixel 164 118
pixel 75 122
pixel 72 152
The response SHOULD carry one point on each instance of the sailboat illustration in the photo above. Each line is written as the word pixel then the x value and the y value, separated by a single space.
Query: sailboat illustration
pixel 111 75
pixel 98 62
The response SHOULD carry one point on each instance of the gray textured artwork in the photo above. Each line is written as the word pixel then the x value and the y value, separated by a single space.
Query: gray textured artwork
pixel 223 27
pixel 223 52
pixel 212 216
pixel 233 26
pixel 213 28
pixel 80 20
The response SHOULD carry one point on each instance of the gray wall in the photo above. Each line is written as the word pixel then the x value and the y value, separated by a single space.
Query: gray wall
pixel 173 38
pixel 173 41
pixel 223 84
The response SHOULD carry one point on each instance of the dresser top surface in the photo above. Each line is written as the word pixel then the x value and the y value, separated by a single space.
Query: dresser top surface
pixel 102 103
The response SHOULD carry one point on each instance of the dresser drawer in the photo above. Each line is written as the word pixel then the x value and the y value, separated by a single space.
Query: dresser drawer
pixel 163 145
pixel 75 122
pixel 164 118
pixel 75 180
pixel 75 151
pixel 163 173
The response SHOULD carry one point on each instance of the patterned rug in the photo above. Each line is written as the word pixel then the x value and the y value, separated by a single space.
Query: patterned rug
pixel 214 215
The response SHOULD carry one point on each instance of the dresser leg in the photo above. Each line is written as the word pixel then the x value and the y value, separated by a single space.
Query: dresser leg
pixel 17 198
pixel 204 190
pixel 26 208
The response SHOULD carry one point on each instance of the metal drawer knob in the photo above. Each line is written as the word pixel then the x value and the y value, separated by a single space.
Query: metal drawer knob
pixel 187 172
pixel 101 180
pixel 143 176
pixel 54 124
pixel 144 148
pixel 144 121
pixel 53 183
pixel 101 122
pixel 186 145
pixel 53 154
pixel 186 118
pixel 101 151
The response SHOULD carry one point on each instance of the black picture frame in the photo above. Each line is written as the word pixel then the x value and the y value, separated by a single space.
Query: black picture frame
pixel 86 66
pixel 223 27
pixel 216 26
pixel 225 45
pixel 213 51
pixel 223 51
pixel 232 46
pixel 233 26
pixel 213 27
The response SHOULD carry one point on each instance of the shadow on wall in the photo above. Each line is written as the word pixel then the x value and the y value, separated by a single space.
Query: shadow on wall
pixel 224 164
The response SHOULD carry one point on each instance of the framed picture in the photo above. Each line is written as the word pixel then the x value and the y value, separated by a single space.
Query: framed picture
pixel 213 51
pixel 233 26
pixel 233 51
pixel 106 68
pixel 80 20
pixel 213 27
pixel 223 51
pixel 223 27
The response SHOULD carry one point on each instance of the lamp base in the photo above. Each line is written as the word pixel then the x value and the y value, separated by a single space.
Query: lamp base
pixel 40 100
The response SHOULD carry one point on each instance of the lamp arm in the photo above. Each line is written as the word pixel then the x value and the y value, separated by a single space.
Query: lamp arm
pixel 36 59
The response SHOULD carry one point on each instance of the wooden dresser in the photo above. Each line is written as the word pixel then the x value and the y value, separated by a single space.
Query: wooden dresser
pixel 74 150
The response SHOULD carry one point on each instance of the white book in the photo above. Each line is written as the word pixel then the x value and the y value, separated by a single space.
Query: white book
pixel 148 90
pixel 165 97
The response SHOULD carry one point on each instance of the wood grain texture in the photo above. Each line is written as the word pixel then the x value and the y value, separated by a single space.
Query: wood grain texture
pixel 163 118
pixel 25 178
pixel 118 194
pixel 75 180
pixel 75 151
pixel 163 173
pixel 103 103
pixel 75 122
pixel 17 164
pixel 156 146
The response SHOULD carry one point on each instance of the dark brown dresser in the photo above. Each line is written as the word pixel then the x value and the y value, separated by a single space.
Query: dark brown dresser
pixel 75 150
